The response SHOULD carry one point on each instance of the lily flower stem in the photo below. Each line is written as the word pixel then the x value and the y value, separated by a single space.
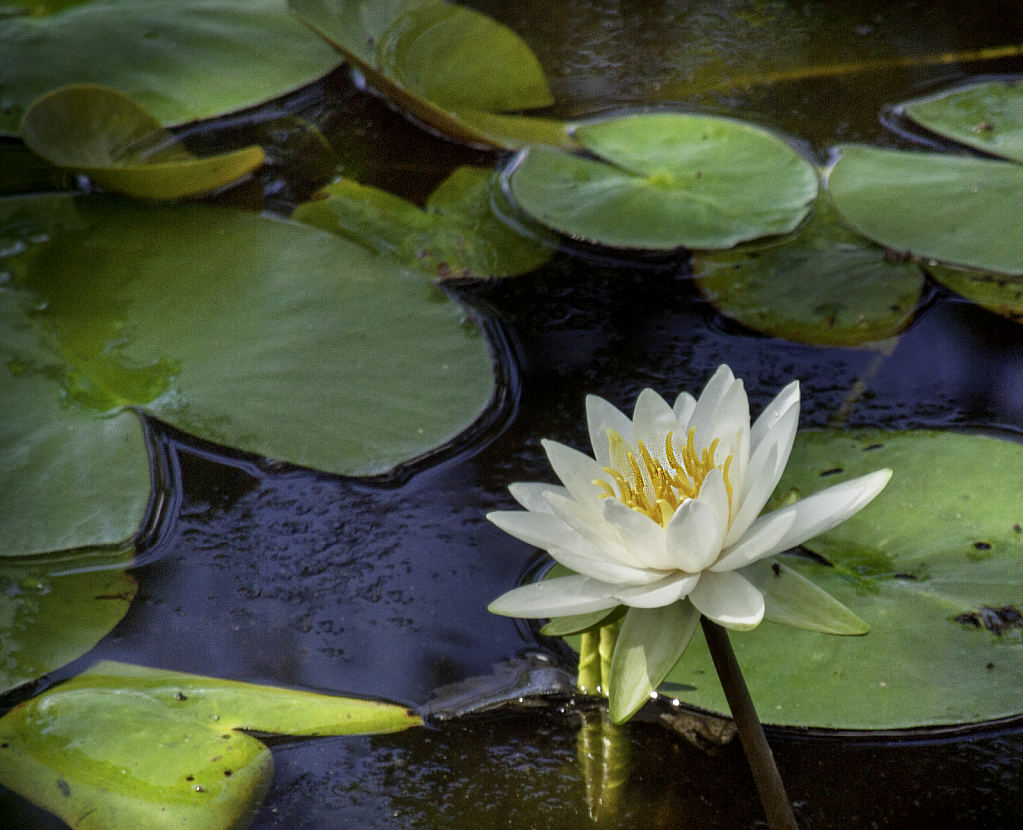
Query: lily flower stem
pixel 751 733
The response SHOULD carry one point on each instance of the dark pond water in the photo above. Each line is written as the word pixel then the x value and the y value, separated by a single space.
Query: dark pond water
pixel 379 587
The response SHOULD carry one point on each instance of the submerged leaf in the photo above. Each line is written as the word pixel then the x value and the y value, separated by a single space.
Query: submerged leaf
pixel 828 285
pixel 955 209
pixel 666 181
pixel 163 53
pixel 942 540
pixel 55 608
pixel 105 135
pixel 987 116
pixel 123 747
pixel 457 235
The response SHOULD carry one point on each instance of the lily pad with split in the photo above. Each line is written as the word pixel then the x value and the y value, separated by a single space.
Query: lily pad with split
pixel 105 135
pixel 941 541
pixel 122 747
pixel 666 180
pixel 958 210
pixel 827 285
pixel 456 235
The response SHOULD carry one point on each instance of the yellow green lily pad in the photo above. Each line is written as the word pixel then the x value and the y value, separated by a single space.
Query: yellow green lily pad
pixel 1000 293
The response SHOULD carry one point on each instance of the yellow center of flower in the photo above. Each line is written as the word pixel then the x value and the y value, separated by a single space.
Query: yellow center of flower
pixel 657 491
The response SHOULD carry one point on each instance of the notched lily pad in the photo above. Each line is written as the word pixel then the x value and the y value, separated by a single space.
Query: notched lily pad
pixel 115 141
pixel 987 116
pixel 55 608
pixel 941 540
pixel 665 181
pixel 456 235
pixel 453 68
pixel 123 747
pixel 827 285
pixel 957 210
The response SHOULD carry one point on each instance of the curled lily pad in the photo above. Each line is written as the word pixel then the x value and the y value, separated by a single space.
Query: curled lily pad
pixel 123 747
pixel 828 285
pixel 667 180
pixel 457 235
pixel 918 565
pixel 954 209
pixel 449 66
pixel 55 608
pixel 162 53
pixel 1000 293
pixel 987 116
pixel 268 336
pixel 116 142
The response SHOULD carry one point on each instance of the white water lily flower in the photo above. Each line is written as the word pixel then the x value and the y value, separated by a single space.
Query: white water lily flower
pixel 666 521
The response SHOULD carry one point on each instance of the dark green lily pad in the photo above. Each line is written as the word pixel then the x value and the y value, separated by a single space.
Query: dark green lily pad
pixel 22 171
pixel 449 66
pixel 105 135
pixel 957 210
pixel 827 286
pixel 263 335
pixel 123 747
pixel 55 608
pixel 163 53
pixel 999 293
pixel 457 235
pixel 942 541
pixel 987 116
pixel 667 181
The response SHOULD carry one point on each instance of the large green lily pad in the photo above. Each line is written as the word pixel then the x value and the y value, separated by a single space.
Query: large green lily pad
pixel 987 116
pixel 105 135
pixel 123 747
pixel 955 209
pixel 667 180
pixel 920 565
pixel 55 608
pixel 999 293
pixel 263 335
pixel 451 67
pixel 457 235
pixel 163 53
pixel 828 285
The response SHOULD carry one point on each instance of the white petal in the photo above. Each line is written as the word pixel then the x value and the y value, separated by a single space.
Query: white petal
pixel 729 600
pixel 761 537
pixel 693 536
pixel 759 486
pixel 707 405
pixel 600 417
pixel 731 419
pixel 606 570
pixel 828 508
pixel 594 529
pixel 652 420
pixel 782 403
pixel 538 529
pixel 714 494
pixel 641 535
pixel 685 405
pixel 530 494
pixel 577 472
pixel 663 592
pixel 559 597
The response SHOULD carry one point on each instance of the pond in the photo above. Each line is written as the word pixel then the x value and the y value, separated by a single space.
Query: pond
pixel 372 578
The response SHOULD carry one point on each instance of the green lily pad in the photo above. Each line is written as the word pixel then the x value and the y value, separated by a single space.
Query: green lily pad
pixel 1000 293
pixel 263 335
pixel 162 53
pixel 987 116
pixel 122 747
pixel 449 66
pixel 827 286
pixel 105 135
pixel 954 209
pixel 918 564
pixel 53 609
pixel 457 235
pixel 667 181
